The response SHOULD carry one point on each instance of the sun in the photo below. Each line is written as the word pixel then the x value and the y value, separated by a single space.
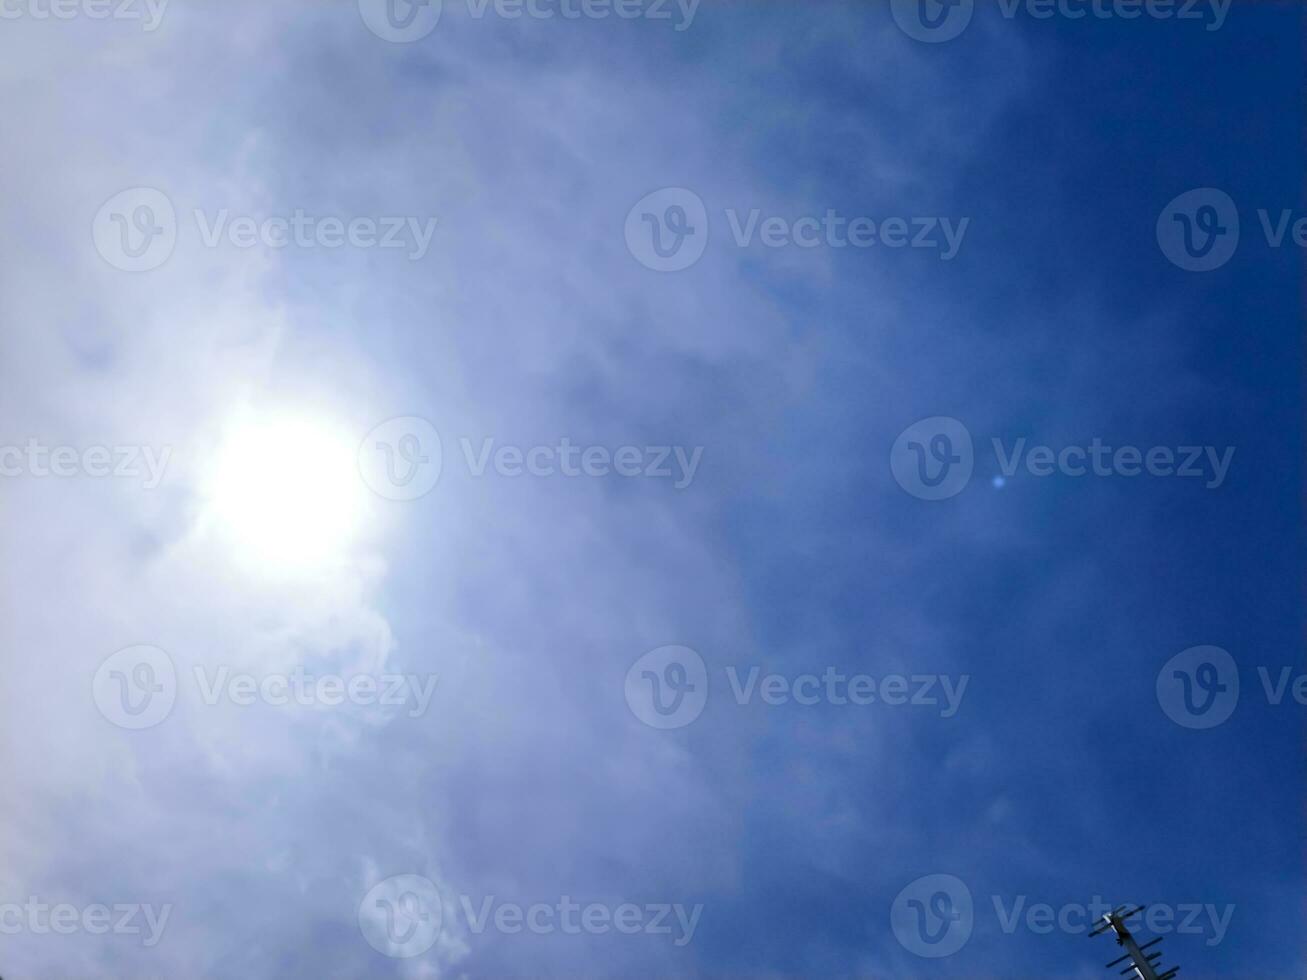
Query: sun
pixel 284 492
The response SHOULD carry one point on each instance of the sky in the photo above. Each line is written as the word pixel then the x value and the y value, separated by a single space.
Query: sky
pixel 649 489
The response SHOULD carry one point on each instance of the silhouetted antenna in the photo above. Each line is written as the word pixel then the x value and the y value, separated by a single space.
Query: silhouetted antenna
pixel 1143 965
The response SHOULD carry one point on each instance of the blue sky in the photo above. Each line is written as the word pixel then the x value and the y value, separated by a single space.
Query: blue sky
pixel 524 609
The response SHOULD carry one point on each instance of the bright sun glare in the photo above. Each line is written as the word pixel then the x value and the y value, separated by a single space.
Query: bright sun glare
pixel 285 492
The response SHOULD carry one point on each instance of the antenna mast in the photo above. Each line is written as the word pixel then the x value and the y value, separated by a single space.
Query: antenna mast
pixel 1143 966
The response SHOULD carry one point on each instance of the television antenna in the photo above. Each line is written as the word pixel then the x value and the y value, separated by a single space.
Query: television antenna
pixel 1143 966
